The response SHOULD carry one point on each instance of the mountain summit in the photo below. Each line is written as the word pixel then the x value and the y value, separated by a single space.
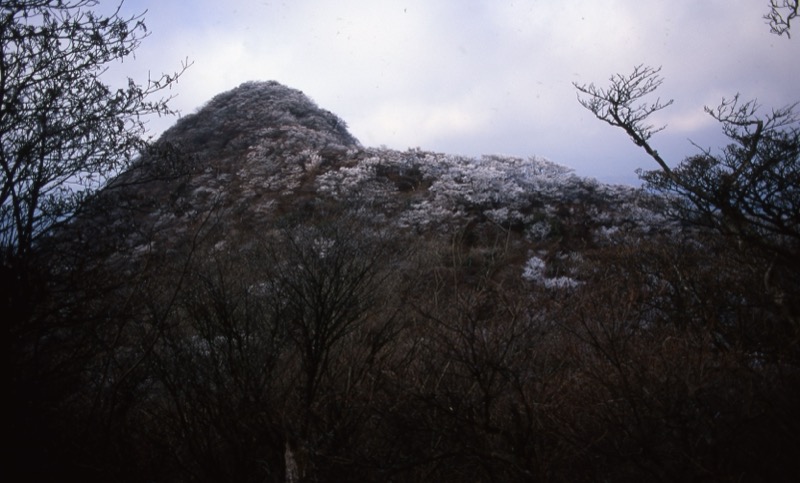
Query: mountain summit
pixel 263 151
pixel 260 116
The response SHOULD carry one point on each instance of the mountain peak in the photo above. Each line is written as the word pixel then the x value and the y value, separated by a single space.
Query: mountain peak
pixel 238 120
pixel 263 152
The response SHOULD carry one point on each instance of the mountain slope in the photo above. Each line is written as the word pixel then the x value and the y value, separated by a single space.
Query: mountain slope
pixel 261 298
pixel 263 151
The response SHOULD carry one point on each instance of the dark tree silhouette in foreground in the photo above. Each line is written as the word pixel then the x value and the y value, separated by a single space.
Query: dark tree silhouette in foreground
pixel 63 131
pixel 749 191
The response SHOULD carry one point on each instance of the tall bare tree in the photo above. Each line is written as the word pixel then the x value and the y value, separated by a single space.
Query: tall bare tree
pixel 749 191
pixel 63 131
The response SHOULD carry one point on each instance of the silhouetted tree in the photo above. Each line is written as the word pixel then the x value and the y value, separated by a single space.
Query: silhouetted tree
pixel 62 130
pixel 63 133
pixel 748 192
pixel 780 16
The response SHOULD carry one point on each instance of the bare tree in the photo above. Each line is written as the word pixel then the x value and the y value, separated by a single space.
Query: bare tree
pixel 621 105
pixel 327 282
pixel 748 191
pixel 63 131
pixel 780 16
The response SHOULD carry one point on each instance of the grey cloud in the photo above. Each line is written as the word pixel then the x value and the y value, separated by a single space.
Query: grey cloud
pixel 488 77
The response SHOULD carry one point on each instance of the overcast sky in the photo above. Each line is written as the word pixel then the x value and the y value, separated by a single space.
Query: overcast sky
pixel 478 77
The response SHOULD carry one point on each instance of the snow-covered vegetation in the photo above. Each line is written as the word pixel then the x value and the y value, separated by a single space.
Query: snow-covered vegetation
pixel 262 148
pixel 289 302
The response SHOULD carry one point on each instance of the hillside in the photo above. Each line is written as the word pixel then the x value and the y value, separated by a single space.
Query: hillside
pixel 264 152
pixel 262 298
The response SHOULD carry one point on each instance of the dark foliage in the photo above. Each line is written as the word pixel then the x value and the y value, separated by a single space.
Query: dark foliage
pixel 259 298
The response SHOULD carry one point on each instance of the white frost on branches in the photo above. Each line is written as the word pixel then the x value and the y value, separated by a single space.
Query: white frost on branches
pixel 535 271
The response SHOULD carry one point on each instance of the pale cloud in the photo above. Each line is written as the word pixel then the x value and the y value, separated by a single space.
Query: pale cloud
pixel 419 124
pixel 479 76
pixel 689 121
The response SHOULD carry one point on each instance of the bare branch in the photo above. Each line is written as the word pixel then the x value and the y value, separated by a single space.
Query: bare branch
pixel 621 105
pixel 63 131
pixel 779 21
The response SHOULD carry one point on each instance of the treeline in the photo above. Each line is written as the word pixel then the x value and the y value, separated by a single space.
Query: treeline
pixel 330 349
